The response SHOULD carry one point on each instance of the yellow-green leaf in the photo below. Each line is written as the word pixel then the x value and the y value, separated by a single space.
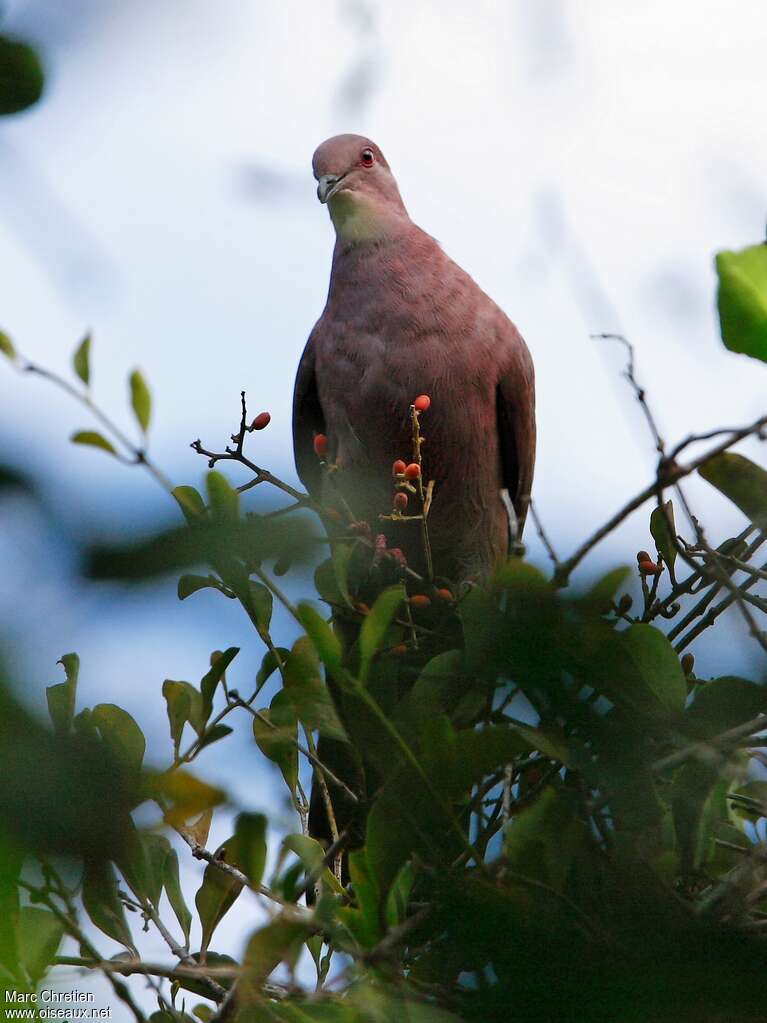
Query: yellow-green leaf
pixel 742 300
pixel 7 346
pixel 81 360
pixel 141 400
pixel 376 624
pixel 743 481
pixel 94 439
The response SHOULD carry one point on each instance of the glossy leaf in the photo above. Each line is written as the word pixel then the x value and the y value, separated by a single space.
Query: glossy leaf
pixel 81 360
pixel 743 481
pixel 742 300
pixel 140 398
pixel 93 439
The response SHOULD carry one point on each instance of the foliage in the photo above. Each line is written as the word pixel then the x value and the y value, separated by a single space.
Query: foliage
pixel 538 807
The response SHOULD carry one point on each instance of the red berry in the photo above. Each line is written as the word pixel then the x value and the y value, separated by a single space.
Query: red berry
pixel 412 471
pixel 422 402
pixel 398 468
pixel 444 594
pixel 420 600
pixel 320 445
pixel 399 650
pixel 398 556
pixel 649 568
pixel 643 556
pixel 400 501
pixel 261 421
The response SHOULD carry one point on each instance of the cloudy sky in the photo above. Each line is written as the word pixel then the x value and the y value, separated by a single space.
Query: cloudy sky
pixel 583 160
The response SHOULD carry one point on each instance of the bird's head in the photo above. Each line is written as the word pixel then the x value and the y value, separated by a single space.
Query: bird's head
pixel 355 181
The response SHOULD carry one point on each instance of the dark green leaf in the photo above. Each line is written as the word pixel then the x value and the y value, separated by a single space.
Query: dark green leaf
pixel 189 584
pixel 663 530
pixel 103 905
pixel 639 669
pixel 81 360
pixel 742 300
pixel 250 836
pixel 120 734
pixel 261 603
pixel 218 893
pixel 175 895
pixel 722 704
pixel 184 703
pixel 140 399
pixel 376 624
pixel 280 941
pixel 308 692
pixel 276 732
pixel 93 439
pixel 210 681
pixel 270 663
pixel 601 594
pixel 212 735
pixel 341 558
pixel 21 76
pixel 61 697
pixel 542 841
pixel 740 479
pixel 38 936
pixel 698 804
pixel 325 641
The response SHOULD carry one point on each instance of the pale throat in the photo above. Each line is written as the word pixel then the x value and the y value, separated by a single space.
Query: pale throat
pixel 357 218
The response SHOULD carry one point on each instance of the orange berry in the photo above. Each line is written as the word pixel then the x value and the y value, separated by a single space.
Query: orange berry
pixel 261 421
pixel 649 568
pixel 643 556
pixel 688 663
pixel 399 650
pixel 320 445
pixel 444 594
pixel 398 468
pixel 412 471
pixel 420 600
pixel 422 402
pixel 400 501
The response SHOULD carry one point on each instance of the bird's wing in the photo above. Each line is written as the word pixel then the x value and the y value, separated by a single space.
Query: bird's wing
pixel 515 405
pixel 308 420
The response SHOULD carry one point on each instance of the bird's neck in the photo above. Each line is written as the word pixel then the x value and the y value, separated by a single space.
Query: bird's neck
pixel 359 219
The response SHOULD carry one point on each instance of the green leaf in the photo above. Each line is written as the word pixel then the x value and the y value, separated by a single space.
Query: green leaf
pixel 325 641
pixel 81 360
pixel 189 796
pixel 250 836
pixel 742 300
pixel 270 663
pixel 140 399
pixel 93 439
pixel 722 704
pixel 38 936
pixel 640 670
pixel 61 697
pixel 542 841
pixel 210 681
pixel 280 941
pixel 601 594
pixel 743 481
pixel 223 498
pixel 190 502
pixel 184 703
pixel 175 895
pixel 212 735
pixel 189 584
pixel 217 893
pixel 120 734
pixel 309 694
pixel 376 624
pixel 276 734
pixel 7 347
pixel 341 557
pixel 102 903
pixel 261 603
pixel 698 804
pixel 663 530
pixel 156 850
pixel 21 76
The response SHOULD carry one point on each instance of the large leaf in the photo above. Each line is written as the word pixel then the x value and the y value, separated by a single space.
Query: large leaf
pixel 102 903
pixel 280 941
pixel 722 704
pixel 742 300
pixel 218 892
pixel 639 670
pixel 740 479
pixel 542 840
pixel 325 641
pixel 120 734
pixel 38 936
pixel 308 692
pixel 250 837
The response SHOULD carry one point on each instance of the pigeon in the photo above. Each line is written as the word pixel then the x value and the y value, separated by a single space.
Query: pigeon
pixel 403 320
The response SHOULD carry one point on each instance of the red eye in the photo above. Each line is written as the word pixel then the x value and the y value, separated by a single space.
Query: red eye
pixel 367 157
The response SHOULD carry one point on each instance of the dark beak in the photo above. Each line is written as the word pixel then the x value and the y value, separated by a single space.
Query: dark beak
pixel 326 185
